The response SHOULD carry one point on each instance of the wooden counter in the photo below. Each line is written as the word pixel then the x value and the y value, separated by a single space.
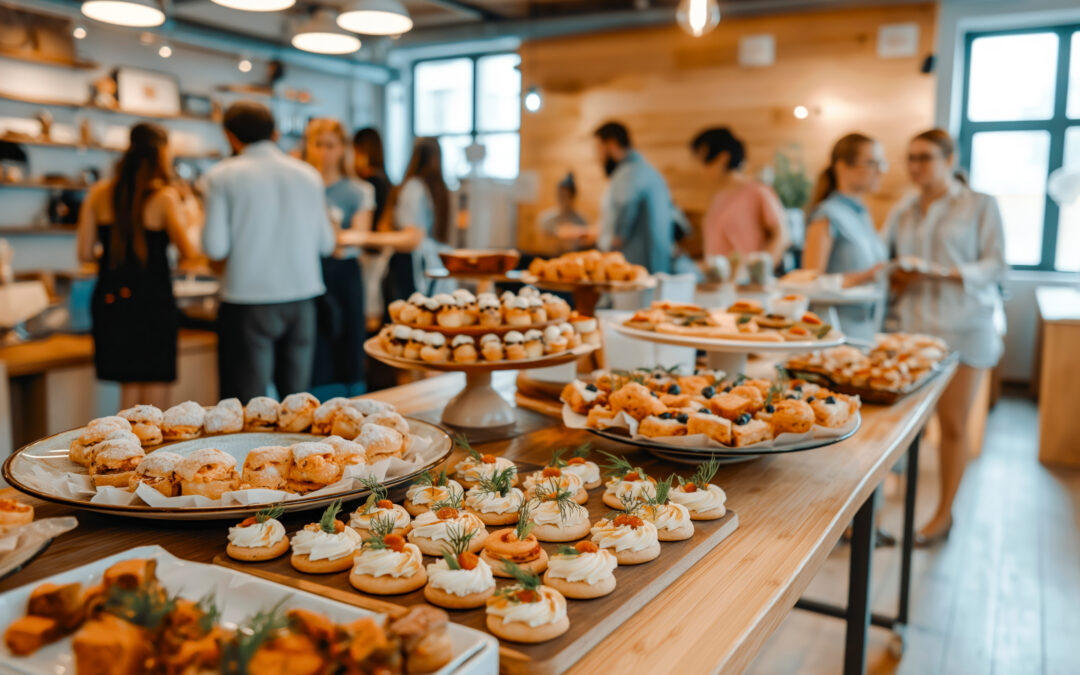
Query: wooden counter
pixel 792 510
pixel 1058 366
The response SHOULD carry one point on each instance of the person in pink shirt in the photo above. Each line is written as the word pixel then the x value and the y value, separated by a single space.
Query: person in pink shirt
pixel 744 215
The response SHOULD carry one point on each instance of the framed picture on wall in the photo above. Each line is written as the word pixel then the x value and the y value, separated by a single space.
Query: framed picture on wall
pixel 147 92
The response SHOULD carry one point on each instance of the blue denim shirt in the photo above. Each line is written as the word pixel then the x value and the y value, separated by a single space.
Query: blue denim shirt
pixel 637 210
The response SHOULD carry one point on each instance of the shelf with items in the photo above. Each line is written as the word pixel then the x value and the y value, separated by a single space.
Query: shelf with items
pixel 216 154
pixel 58 61
pixel 37 230
pixel 288 96
pixel 56 103
pixel 38 184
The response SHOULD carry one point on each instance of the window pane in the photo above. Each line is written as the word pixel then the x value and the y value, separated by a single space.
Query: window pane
pixel 1068 243
pixel 1012 77
pixel 442 101
pixel 501 156
pixel 499 93
pixel 453 158
pixel 1073 104
pixel 1012 166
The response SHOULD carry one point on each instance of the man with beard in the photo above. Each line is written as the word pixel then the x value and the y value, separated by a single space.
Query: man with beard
pixel 636 213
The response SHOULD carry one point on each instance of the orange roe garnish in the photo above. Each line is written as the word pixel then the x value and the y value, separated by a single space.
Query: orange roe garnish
pixel 576 460
pixel 527 595
pixel 467 561
pixel 247 522
pixel 488 459
pixel 551 472
pixel 622 520
pixel 631 476
pixel 446 513
pixel 586 546
pixel 339 527
pixel 689 487
pixel 394 542
pixel 384 504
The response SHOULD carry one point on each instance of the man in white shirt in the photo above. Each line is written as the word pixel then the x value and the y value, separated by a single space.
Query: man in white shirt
pixel 266 217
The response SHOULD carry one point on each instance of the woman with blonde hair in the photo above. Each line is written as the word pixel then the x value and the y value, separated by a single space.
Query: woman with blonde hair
pixel 950 243
pixel 126 225
pixel 339 350
pixel 841 238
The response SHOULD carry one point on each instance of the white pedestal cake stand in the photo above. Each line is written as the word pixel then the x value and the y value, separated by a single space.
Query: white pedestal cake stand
pixel 478 405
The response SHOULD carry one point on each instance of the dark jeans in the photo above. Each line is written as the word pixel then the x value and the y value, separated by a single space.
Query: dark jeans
pixel 260 344
pixel 339 345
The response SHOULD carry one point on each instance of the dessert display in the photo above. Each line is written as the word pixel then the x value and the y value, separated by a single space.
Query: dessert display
pixel 131 624
pixel 701 498
pixel 429 488
pixel 326 546
pixel 517 545
pixel 708 409
pixel 378 507
pixel 784 319
pixel 582 571
pixel 626 484
pixel 671 519
pixel 479 261
pixel 452 312
pixel 633 539
pixel 555 515
pixel 475 466
pixel 460 579
pixel 429 347
pixel 258 538
pixel 14 514
pixel 431 529
pixel 494 499
pixel 587 266
pixel 385 564
pixel 527 611
pixel 897 364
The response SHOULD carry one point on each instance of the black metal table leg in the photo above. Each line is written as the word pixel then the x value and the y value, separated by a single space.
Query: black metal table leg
pixel 912 484
pixel 858 604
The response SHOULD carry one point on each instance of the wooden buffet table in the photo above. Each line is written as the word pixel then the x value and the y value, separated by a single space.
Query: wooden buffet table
pixel 792 509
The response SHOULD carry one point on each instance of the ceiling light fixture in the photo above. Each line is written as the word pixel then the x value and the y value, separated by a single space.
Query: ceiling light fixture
pixel 697 17
pixel 164 51
pixel 78 33
pixel 376 17
pixel 533 100
pixel 131 13
pixel 244 65
pixel 256 5
pixel 800 112
pixel 321 36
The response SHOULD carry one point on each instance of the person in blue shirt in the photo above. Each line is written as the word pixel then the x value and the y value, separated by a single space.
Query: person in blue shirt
pixel 636 213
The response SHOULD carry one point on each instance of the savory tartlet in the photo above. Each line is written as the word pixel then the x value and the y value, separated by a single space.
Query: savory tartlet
pixel 460 579
pixel 385 563
pixel 630 537
pixel 326 546
pixel 582 571
pixel 626 483
pixel 431 529
pixel 570 482
pixel 672 520
pixel 378 506
pixel 556 516
pixel 517 545
pixel 527 611
pixel 701 498
pixel 260 537
pixel 428 489
pixel 494 500
pixel 470 470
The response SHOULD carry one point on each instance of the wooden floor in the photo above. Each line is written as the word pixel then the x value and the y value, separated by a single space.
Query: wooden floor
pixel 1001 596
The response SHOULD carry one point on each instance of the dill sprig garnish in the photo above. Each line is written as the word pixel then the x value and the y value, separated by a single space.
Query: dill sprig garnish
pixel 551 491
pixel 254 632
pixel 630 506
pixel 663 487
pixel 704 473
pixel 464 444
pixel 210 613
pixel 329 517
pixel 498 483
pixel 617 467
pixel 270 512
pixel 376 492
pixel 146 605
pixel 433 480
pixel 524 524
pixel 454 499
pixel 380 527
pixel 459 538
pixel 525 580
pixel 580 451
pixel 566 550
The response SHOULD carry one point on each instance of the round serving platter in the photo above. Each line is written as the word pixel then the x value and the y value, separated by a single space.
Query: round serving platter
pixel 834 339
pixel 586 284
pixel 52 453
pixel 479 331
pixel 374 349
pixel 724 455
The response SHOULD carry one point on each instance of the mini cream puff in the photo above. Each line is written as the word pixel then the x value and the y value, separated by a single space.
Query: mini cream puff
pixel 227 417
pixel 381 442
pixel 464 349
pixel 390 419
pixel 494 500
pixel 313 467
pixel 490 310
pixel 183 421
pixel 158 471
pixel 386 564
pixel 267 467
pixel 554 341
pixel 534 344
pixel 702 499
pixel 582 571
pixel 631 538
pixel 518 545
pixel 491 348
pixel 431 529
pixel 449 313
pixel 297 412
pixel 14 514
pixel 429 489
pixel 435 349
pixel 527 611
pixel 322 420
pixel 346 453
pixel 395 339
pixel 347 422
pixel 460 579
pixel 370 406
pixel 557 516
pixel 146 421
pixel 468 303
pixel 114 462
pixel 417 339
pixel 516 312
pixel 564 479
pixel 260 537
pixel 326 546
pixel 413 311
pixel 95 432
pixel 514 346
pixel 470 470
pixel 208 472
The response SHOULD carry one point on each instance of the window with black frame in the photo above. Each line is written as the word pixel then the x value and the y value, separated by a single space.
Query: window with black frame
pixel 1021 122
pixel 470 99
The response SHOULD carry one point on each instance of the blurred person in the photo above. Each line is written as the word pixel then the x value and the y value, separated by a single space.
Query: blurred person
pixel 744 216
pixel 267 218
pixel 841 238
pixel 339 364
pixel 391 270
pixel 636 216
pixel 126 224
pixel 950 242
pixel 563 222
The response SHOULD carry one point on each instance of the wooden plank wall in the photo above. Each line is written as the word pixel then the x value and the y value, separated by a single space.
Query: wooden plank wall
pixel 666 86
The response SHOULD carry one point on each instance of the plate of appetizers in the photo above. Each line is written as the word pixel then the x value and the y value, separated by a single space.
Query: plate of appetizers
pixel 690 417
pixel 588 268
pixel 195 462
pixel 462 313
pixel 147 606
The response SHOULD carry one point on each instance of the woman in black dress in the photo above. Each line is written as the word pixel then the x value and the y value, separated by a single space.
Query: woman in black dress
pixel 126 224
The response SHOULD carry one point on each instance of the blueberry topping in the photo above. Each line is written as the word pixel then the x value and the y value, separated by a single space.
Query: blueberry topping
pixel 830 399
pixel 674 389
pixel 682 418
pixel 727 389
pixel 654 394
pixel 770 408
pixel 797 387
pixel 705 411
pixel 591 387
pixel 666 416
pixel 743 419
pixel 658 376
pixel 810 399
pixel 791 397
pixel 708 392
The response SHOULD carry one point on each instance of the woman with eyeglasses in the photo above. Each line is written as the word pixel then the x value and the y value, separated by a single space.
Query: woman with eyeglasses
pixel 950 246
pixel 841 238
